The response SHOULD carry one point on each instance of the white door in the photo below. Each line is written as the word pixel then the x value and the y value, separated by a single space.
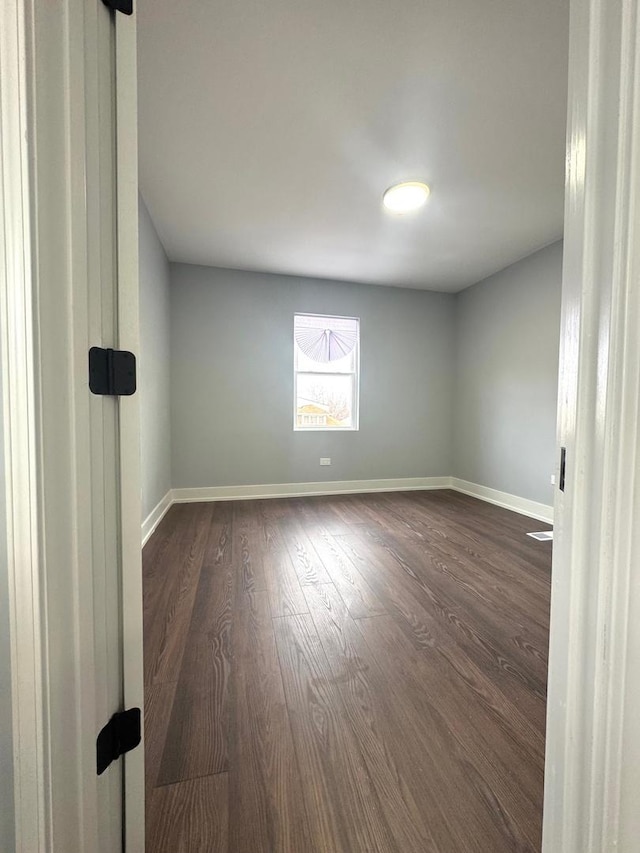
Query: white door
pixel 114 498
pixel 102 308
pixel 114 421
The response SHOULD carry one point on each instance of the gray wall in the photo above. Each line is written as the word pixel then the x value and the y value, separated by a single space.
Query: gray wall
pixel 232 380
pixel 507 340
pixel 7 831
pixel 154 365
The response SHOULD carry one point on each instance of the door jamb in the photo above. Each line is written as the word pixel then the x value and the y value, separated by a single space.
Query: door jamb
pixel 593 737
pixel 45 102
pixel 129 414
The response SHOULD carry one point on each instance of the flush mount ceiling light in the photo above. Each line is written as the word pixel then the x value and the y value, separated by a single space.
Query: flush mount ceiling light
pixel 405 197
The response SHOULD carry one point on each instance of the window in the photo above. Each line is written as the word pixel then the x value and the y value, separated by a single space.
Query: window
pixel 326 365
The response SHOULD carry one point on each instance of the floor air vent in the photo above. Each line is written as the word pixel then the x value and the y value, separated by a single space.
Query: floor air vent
pixel 543 536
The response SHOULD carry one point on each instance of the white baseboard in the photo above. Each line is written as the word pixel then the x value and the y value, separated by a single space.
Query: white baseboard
pixel 296 490
pixel 155 516
pixel 542 512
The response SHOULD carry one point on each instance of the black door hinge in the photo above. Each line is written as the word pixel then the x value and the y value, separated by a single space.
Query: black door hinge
pixel 121 734
pixel 124 6
pixel 112 372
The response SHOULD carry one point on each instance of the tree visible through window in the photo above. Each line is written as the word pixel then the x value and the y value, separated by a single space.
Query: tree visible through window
pixel 326 365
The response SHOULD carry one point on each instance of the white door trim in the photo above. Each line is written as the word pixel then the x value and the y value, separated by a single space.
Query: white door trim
pixel 129 414
pixel 20 440
pixel 593 733
pixel 47 107
pixel 44 339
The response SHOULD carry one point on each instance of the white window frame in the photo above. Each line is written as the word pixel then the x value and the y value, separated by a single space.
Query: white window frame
pixel 355 373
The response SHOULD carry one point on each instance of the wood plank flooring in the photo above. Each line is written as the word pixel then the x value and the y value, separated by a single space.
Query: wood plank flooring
pixel 345 674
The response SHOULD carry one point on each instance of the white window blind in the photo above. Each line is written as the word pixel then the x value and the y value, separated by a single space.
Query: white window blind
pixel 326 365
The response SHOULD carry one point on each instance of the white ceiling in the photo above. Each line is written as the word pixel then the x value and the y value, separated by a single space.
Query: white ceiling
pixel 270 128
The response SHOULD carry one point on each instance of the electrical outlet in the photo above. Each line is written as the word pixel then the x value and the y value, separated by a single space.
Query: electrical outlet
pixel 325 460
pixel 553 479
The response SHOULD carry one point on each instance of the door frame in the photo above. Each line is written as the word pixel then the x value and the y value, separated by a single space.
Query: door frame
pixel 592 768
pixel 594 642
pixel 46 106
pixel 20 443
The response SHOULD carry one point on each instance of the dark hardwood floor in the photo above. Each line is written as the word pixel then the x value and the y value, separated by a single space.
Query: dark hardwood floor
pixel 345 674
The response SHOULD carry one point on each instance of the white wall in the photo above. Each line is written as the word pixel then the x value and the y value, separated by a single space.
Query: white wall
pixel 232 380
pixel 507 340
pixel 154 365
pixel 7 827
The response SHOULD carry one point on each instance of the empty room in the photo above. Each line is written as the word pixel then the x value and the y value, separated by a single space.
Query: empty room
pixel 350 263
